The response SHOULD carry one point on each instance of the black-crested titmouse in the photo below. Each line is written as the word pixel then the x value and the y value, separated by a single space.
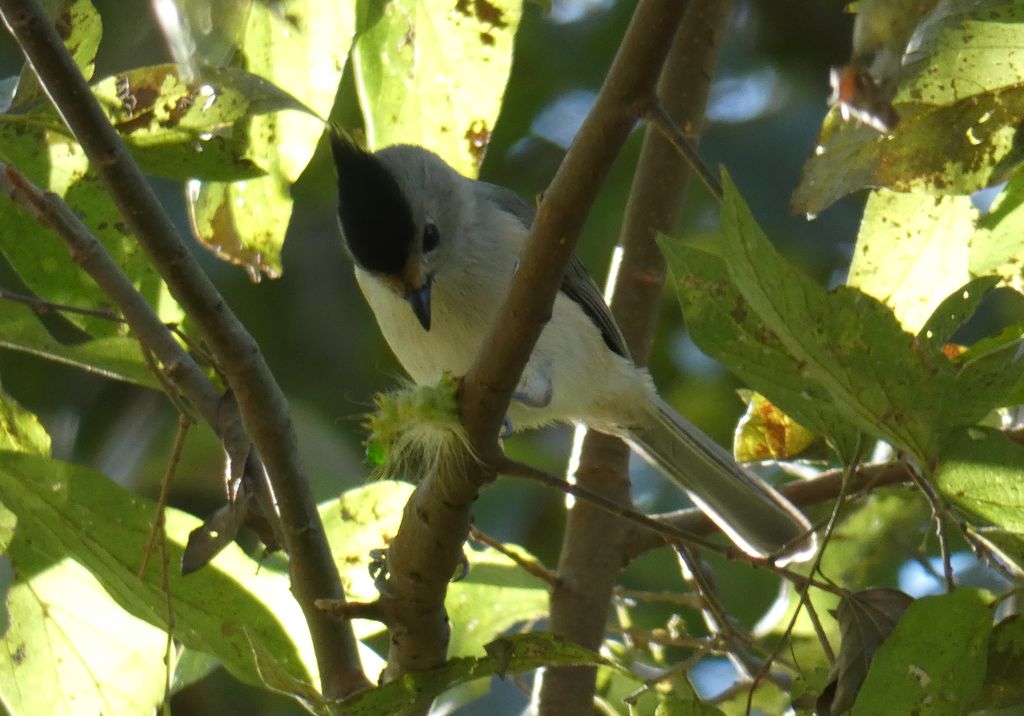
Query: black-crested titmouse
pixel 434 255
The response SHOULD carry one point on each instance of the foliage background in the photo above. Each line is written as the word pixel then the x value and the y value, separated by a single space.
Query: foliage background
pixel 322 342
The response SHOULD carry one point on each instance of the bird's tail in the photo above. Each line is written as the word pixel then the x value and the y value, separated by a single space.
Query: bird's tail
pixel 753 515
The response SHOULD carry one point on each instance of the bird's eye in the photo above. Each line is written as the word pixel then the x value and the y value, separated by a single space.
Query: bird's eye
pixel 430 238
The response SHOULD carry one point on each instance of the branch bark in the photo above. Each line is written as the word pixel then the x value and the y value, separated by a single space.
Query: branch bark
pixel 594 546
pixel 263 407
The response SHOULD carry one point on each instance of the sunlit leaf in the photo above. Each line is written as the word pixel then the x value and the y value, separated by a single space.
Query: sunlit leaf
pixel 411 59
pixel 185 128
pixel 981 473
pixel 494 595
pixel 912 252
pixel 20 430
pixel 303 50
pixel 115 357
pixel 69 648
pixel 934 660
pixel 766 433
pixel 960 99
pixel 81 515
pixel 80 27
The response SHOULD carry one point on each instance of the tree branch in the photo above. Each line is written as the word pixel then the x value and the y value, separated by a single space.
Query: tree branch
pixel 263 407
pixel 594 547
pixel 435 523
pixel 628 90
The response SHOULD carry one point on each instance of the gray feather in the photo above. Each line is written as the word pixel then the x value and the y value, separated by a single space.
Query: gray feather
pixel 577 283
pixel 750 511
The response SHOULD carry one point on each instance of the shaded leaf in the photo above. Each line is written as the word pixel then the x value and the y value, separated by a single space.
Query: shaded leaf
pixel 114 357
pixel 954 310
pixel 865 621
pixel 725 327
pixel 981 473
pixel 1004 676
pixel 80 514
pixel 411 59
pixel 844 341
pixel 934 660
pixel 276 678
pixel 997 247
pixel 985 380
pixel 508 656
pixel 52 160
pixel 766 433
pixel 911 252
pixel 864 549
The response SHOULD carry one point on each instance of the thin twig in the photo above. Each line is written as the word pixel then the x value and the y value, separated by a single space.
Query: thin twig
pixel 529 566
pixel 184 423
pixel 657 116
pixel 518 469
pixel 804 590
pixel 43 307
pixel 939 515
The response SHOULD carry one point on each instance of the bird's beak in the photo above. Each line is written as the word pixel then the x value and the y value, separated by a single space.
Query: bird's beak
pixel 419 299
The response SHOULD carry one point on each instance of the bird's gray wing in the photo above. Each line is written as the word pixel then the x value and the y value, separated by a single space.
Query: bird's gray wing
pixel 577 283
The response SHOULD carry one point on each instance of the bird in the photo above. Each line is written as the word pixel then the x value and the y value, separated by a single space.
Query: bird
pixel 434 254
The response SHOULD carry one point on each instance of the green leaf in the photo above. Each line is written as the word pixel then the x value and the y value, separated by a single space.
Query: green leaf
pixel 69 648
pixel 20 430
pixel 505 657
pixel 981 473
pixel 77 513
pixel 1004 677
pixel 411 59
pixel 80 27
pixel 277 678
pixel 725 327
pixel 912 252
pixel 960 99
pixel 934 660
pixel 304 50
pixel 985 380
pixel 954 310
pixel 495 594
pixel 997 247
pixel 860 554
pixel 865 620
pixel 115 357
pixel 54 161
pixel 184 129
pixel 844 341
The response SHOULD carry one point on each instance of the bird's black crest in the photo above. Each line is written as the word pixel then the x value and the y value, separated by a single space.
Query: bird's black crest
pixel 375 216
